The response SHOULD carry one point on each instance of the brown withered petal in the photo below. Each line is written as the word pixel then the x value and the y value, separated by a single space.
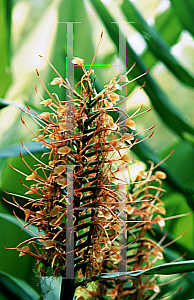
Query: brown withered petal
pixel 54 212
pixel 61 109
pixel 77 61
pixel 160 174
pixel 123 78
pixel 31 177
pixel 45 115
pixel 66 126
pixel 39 138
pixel 114 97
pixel 51 191
pixel 130 209
pixel 114 248
pixel 56 80
pixel 55 222
pixel 46 102
pixel 108 215
pixel 49 244
pixel 28 213
pixel 131 124
pixel 99 257
pixel 59 169
pixel 33 190
pixel 161 210
pixel 158 254
pixel 64 150
pixel 112 293
pixel 26 248
pixel 126 158
pixel 61 181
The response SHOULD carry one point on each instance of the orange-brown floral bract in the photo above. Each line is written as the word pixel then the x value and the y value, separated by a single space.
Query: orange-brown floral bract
pixel 80 134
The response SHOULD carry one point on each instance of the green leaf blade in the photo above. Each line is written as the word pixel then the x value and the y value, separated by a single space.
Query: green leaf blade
pixel 185 12
pixel 156 44
pixel 33 230
pixel 16 288
pixel 168 113
pixel 164 269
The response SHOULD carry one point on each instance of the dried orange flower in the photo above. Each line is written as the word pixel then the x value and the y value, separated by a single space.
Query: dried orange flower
pixel 82 192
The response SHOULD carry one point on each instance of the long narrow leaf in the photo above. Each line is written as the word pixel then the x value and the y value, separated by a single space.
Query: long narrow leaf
pixel 15 221
pixel 169 114
pixel 185 12
pixel 16 289
pixel 5 102
pixel 156 45
pixel 165 22
pixel 14 150
pixel 5 77
pixel 169 256
pixel 164 269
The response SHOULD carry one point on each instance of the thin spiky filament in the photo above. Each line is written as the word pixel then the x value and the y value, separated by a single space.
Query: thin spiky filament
pixel 81 135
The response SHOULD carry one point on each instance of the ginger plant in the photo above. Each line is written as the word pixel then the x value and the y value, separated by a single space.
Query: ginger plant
pixel 91 214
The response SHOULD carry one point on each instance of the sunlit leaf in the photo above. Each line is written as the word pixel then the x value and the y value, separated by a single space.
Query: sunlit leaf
pixel 156 45
pixel 168 26
pixel 169 114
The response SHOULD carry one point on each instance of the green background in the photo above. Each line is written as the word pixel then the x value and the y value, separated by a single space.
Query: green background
pixel 160 38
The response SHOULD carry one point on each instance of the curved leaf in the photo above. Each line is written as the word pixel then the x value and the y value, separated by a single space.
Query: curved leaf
pixel 5 77
pixel 169 114
pixel 185 12
pixel 165 22
pixel 164 269
pixel 5 102
pixel 15 221
pixel 51 287
pixel 155 43
pixel 14 150
pixel 16 289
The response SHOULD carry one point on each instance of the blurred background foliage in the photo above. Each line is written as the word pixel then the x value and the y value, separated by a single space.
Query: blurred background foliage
pixel 161 38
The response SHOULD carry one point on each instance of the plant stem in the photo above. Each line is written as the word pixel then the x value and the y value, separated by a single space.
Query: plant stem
pixel 67 289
